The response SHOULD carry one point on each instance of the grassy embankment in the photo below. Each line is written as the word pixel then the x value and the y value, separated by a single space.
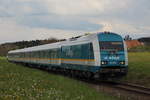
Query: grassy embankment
pixel 142 48
pixel 139 68
pixel 22 83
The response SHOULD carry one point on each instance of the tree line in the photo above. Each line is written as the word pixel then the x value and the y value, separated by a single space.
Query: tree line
pixel 4 48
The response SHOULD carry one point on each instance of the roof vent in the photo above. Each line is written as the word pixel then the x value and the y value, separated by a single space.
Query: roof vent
pixel 75 38
pixel 107 32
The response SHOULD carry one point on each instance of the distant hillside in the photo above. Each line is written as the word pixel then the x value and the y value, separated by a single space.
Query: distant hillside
pixel 4 48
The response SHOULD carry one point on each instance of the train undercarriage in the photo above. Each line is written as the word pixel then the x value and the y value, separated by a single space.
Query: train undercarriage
pixel 103 74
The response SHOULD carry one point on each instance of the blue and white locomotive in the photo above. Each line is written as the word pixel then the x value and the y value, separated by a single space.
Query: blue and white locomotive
pixel 96 55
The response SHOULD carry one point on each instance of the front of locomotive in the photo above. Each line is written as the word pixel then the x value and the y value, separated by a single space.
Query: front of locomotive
pixel 113 55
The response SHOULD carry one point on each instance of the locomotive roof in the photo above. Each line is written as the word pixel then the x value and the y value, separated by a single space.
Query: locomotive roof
pixel 73 41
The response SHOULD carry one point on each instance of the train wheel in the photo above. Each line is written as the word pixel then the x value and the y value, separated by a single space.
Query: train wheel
pixel 90 75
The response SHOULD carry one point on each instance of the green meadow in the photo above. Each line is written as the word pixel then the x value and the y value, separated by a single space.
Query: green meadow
pixel 139 68
pixel 18 82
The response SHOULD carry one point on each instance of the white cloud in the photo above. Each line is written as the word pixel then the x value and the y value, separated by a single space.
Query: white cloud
pixel 40 19
pixel 76 7
pixel 11 31
pixel 41 33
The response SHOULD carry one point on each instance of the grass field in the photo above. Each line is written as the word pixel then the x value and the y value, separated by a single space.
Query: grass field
pixel 22 83
pixel 139 68
pixel 140 48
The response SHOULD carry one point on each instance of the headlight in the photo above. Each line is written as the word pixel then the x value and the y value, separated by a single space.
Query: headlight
pixel 122 62
pixel 104 62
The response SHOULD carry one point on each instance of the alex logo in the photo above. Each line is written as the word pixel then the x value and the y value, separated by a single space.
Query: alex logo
pixel 111 58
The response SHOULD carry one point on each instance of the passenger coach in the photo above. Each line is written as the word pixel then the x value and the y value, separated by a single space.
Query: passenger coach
pixel 96 55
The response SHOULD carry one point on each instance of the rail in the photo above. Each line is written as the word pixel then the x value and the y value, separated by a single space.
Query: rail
pixel 125 91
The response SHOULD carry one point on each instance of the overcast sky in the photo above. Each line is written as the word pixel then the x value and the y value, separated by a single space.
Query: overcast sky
pixel 42 19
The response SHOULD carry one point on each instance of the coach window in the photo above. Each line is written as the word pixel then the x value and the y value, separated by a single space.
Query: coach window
pixel 54 51
pixel 40 54
pixel 75 52
pixel 35 54
pixel 44 54
pixel 32 54
pixel 47 53
pixel 84 51
pixel 65 49
pixel 29 54
pixel 58 53
pixel 91 54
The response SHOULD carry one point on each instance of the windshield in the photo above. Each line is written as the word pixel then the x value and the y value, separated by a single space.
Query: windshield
pixel 111 46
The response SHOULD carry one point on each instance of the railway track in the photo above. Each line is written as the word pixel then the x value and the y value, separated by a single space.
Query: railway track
pixel 134 88
pixel 124 91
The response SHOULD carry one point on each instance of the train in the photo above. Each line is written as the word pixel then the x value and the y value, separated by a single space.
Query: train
pixel 101 55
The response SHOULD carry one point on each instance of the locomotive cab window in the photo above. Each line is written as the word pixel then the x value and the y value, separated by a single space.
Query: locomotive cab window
pixel 108 46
